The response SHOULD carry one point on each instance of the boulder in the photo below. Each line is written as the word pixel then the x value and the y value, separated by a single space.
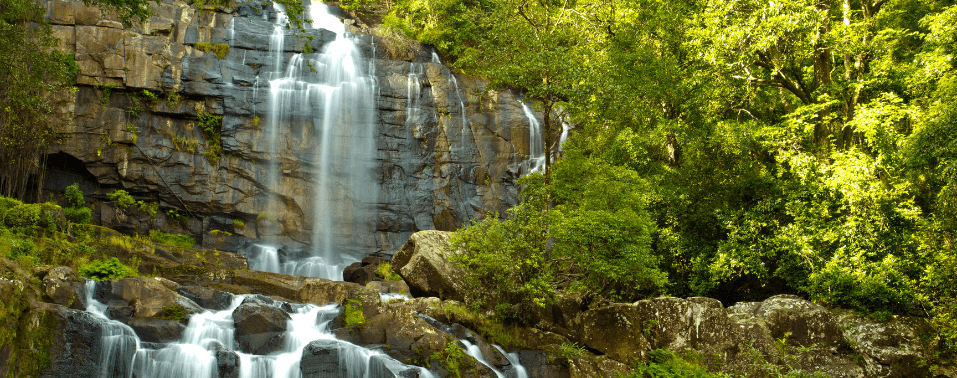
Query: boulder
pixel 383 366
pixel 321 358
pixel 891 348
pixel 260 327
pixel 63 286
pixel 144 297
pixel 157 330
pixel 227 362
pixel 207 298
pixel 617 330
pixel 423 264
pixel 359 273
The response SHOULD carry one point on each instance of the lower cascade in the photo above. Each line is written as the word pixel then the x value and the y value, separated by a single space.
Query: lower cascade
pixel 211 347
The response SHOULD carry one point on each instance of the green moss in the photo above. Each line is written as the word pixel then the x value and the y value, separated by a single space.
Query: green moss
pixel 495 332
pixel 174 312
pixel 175 240
pixel 219 49
pixel 238 225
pixel 29 334
pixel 385 272
pixel 353 313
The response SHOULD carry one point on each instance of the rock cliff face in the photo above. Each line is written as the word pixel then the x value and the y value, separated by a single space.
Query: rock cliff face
pixel 435 166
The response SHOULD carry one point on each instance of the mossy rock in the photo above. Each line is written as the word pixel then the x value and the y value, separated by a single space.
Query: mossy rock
pixel 43 215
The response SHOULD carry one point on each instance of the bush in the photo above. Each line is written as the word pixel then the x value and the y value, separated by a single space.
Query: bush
pixel 74 195
pixel 353 313
pixel 175 240
pixel 121 199
pixel 106 270
pixel 42 215
pixel 81 215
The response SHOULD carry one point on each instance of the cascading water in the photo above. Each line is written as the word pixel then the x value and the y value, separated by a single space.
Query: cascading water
pixel 118 341
pixel 517 370
pixel 331 94
pixel 196 354
pixel 536 145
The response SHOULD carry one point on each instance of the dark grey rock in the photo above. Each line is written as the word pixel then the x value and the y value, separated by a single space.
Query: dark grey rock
pixel 157 330
pixel 207 298
pixel 260 327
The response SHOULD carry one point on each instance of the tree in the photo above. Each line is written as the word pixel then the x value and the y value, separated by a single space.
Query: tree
pixel 32 75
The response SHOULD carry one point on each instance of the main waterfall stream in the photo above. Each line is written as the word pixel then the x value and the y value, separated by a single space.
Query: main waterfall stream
pixel 331 91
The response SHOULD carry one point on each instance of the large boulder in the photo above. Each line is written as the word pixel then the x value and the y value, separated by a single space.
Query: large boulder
pixel 63 286
pixel 260 326
pixel 144 297
pixel 890 349
pixel 423 262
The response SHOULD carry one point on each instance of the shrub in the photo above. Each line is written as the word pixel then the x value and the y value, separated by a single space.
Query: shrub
pixel 121 199
pixel 175 240
pixel 21 248
pixel 42 215
pixel 105 270
pixel 81 215
pixel 74 195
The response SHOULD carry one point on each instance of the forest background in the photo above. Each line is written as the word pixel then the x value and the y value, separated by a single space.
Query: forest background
pixel 735 149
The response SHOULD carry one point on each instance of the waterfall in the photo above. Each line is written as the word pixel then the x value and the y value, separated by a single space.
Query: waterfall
pixel 331 94
pixel 536 145
pixel 517 370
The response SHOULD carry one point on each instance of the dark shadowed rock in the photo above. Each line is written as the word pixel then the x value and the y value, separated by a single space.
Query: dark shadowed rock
pixel 260 327
pixel 227 362
pixel 320 359
pixel 157 330
pixel 359 273
pixel 206 297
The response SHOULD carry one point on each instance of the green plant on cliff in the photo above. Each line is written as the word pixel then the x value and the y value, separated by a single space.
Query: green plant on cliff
pixel 106 270
pixel 218 49
pixel 121 199
pixel 212 126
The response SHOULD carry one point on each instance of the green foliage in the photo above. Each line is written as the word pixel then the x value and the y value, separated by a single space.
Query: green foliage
pixel 149 207
pixel 570 350
pixel 77 213
pixel 106 270
pixel 218 49
pixel 175 240
pixel 175 216
pixel 238 225
pixel 74 195
pixel 40 215
pixel 212 127
pixel 352 311
pixel 665 364
pixel 121 199
pixel 452 358
pixel 24 251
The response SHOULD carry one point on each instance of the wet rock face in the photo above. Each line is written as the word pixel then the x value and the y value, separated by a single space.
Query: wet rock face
pixel 443 155
pixel 260 326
